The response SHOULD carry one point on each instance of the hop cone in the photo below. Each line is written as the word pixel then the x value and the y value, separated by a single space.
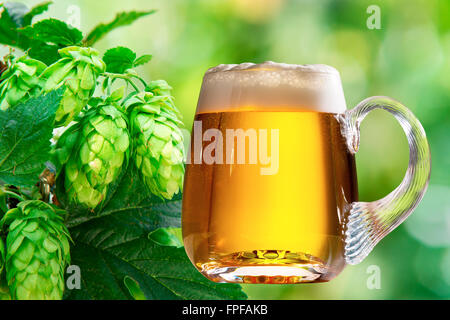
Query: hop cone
pixel 37 251
pixel 21 81
pixel 93 152
pixel 78 70
pixel 157 140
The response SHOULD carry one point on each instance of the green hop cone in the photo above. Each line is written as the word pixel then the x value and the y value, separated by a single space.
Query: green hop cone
pixel 157 139
pixel 20 81
pixel 78 69
pixel 93 152
pixel 38 251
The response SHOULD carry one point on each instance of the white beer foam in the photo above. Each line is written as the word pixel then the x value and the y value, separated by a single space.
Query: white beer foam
pixel 271 86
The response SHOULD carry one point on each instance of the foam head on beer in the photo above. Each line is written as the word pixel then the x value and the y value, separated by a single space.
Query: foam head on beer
pixel 271 86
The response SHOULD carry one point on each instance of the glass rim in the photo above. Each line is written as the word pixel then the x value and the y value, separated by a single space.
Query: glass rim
pixel 273 66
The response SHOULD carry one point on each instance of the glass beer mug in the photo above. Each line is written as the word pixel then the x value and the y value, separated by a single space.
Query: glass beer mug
pixel 270 192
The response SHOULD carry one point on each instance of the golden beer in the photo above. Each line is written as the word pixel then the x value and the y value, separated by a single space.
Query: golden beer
pixel 270 193
pixel 234 217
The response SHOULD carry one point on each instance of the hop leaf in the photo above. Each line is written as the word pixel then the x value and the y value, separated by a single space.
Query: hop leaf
pixel 120 59
pixel 2 255
pixel 157 140
pixel 37 251
pixel 121 19
pixel 20 82
pixel 53 31
pixel 78 69
pixel 93 152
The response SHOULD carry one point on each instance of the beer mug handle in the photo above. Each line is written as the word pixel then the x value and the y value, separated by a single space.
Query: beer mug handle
pixel 369 222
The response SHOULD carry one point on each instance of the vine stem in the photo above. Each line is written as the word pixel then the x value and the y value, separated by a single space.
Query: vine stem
pixel 123 77
pixel 108 88
pixel 143 82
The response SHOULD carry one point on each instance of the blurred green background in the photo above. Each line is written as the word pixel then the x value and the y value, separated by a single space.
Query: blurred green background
pixel 407 59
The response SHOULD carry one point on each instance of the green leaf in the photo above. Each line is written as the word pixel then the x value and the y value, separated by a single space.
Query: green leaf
pixel 3 205
pixel 162 272
pixel 26 130
pixel 8 24
pixel 115 244
pixel 126 197
pixel 142 60
pixel 16 11
pixel 134 288
pixel 47 53
pixel 45 37
pixel 4 290
pixel 2 255
pixel 117 94
pixel 95 101
pixel 119 59
pixel 21 15
pixel 36 10
pixel 53 31
pixel 121 19
pixel 14 17
pixel 167 237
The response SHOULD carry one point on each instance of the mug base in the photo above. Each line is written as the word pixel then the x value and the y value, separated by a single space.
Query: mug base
pixel 234 268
